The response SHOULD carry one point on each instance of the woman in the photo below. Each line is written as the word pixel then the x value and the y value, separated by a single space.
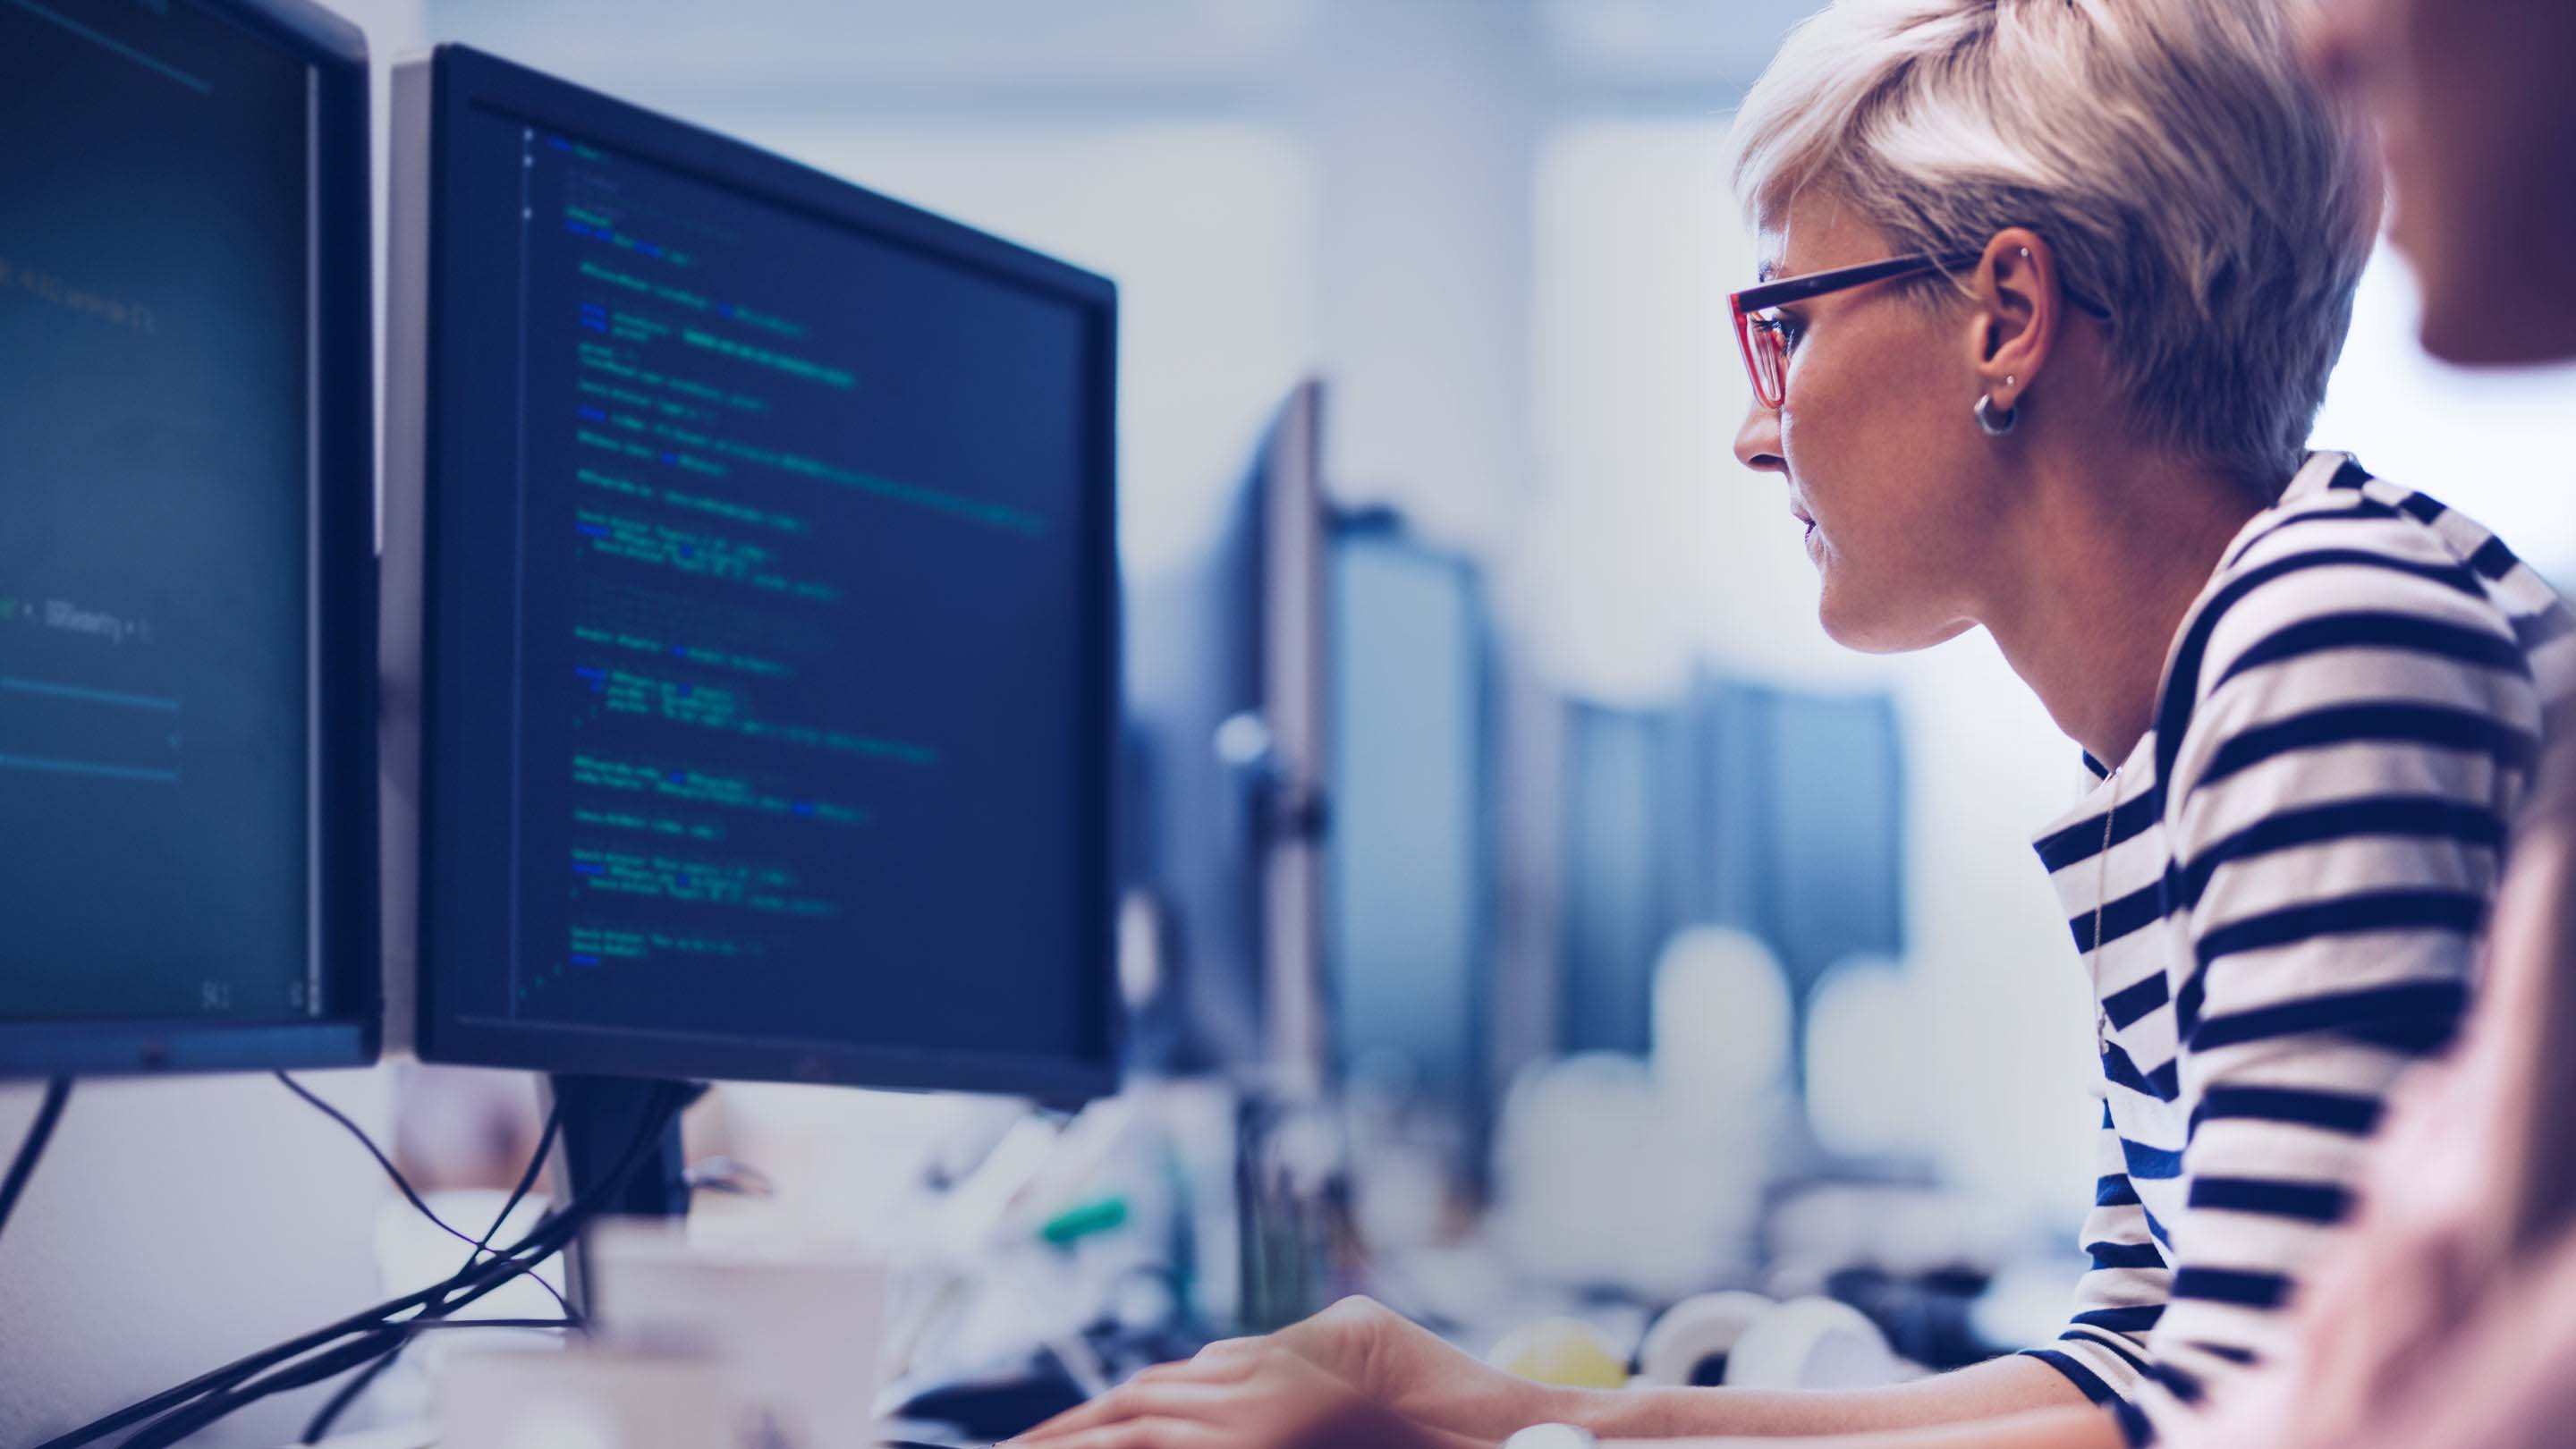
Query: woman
pixel 2055 289
pixel 2452 1316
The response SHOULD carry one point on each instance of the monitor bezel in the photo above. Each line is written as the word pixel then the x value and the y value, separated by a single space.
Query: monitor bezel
pixel 341 590
pixel 463 80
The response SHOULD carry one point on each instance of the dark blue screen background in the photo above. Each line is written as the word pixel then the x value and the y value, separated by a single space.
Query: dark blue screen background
pixel 153 515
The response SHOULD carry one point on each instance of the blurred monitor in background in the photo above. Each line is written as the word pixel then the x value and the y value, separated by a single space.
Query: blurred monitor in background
pixel 1775 811
pixel 1410 882
pixel 1225 706
pixel 1624 856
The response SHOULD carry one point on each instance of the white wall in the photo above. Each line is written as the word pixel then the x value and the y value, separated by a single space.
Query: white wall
pixel 176 1225
pixel 172 1227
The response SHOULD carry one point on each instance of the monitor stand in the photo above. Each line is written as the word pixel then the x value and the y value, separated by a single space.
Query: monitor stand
pixel 601 1116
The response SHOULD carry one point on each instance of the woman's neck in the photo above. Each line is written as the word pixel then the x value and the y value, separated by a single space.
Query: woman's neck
pixel 2101 573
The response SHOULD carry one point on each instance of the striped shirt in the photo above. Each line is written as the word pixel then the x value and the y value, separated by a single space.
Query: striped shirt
pixel 2300 856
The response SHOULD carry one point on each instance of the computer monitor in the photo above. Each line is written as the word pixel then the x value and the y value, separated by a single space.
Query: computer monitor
pixel 187 774
pixel 1626 856
pixel 1774 810
pixel 1797 821
pixel 1411 870
pixel 1226 662
pixel 767 610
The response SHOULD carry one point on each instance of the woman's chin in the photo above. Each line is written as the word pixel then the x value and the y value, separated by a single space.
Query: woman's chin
pixel 1866 630
pixel 1861 635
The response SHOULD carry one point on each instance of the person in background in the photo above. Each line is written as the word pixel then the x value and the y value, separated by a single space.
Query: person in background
pixel 2474 103
pixel 2451 1319
pixel 2054 289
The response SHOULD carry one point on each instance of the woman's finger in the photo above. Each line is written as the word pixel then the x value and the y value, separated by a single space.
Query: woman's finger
pixel 1109 1408
pixel 1137 1434
pixel 1174 1398
pixel 1233 1366
pixel 1201 1369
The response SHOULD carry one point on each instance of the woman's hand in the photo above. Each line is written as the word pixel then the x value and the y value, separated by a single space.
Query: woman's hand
pixel 1249 1393
pixel 1400 1365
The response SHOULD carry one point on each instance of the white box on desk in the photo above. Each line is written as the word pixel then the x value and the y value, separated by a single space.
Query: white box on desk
pixel 805 1332
pixel 585 1398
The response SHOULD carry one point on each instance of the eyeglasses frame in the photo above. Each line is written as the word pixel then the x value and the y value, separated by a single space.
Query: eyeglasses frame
pixel 1752 301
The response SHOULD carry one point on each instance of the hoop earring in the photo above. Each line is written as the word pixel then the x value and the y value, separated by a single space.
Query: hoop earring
pixel 1994 423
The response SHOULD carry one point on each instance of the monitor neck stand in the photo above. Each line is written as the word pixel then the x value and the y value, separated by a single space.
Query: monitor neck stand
pixel 601 1116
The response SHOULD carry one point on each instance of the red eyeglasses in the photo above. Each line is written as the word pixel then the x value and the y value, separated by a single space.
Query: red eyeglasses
pixel 1763 334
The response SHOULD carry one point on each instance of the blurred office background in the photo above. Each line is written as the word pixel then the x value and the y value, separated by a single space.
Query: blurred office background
pixel 1580 710
pixel 1663 938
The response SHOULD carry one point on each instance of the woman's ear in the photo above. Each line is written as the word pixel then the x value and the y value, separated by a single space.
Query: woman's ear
pixel 2015 307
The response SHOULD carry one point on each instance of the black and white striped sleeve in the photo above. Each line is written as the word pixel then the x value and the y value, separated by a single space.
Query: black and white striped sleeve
pixel 2103 1350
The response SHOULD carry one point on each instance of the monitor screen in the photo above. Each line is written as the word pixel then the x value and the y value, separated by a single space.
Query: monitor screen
pixel 1197 637
pixel 770 660
pixel 1623 851
pixel 172 465
pixel 1224 677
pixel 1411 872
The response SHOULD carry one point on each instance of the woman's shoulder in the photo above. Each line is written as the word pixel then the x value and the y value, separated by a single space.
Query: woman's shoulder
pixel 2356 601
pixel 2337 505
pixel 2350 562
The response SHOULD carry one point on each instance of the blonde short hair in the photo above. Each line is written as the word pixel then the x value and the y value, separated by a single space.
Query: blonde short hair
pixel 2187 170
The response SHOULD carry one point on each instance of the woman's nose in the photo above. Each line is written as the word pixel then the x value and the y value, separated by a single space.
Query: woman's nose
pixel 1757 443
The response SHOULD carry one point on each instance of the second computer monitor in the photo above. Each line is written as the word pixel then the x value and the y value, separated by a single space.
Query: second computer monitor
pixel 769 613
pixel 187 700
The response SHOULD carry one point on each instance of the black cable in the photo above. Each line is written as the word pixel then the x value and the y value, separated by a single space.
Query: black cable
pixel 48 1112
pixel 401 1183
pixel 328 1362
pixel 320 1424
pixel 224 1392
pixel 432 1325
pixel 404 1184
pixel 227 1385
pixel 527 1180
pixel 179 1424
pixel 233 1373
pixel 176 1427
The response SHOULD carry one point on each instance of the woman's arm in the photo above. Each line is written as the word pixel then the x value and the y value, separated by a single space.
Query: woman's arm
pixel 2047 1429
pixel 1997 1390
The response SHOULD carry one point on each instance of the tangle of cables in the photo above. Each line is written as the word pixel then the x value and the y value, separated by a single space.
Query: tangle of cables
pixel 368 1340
